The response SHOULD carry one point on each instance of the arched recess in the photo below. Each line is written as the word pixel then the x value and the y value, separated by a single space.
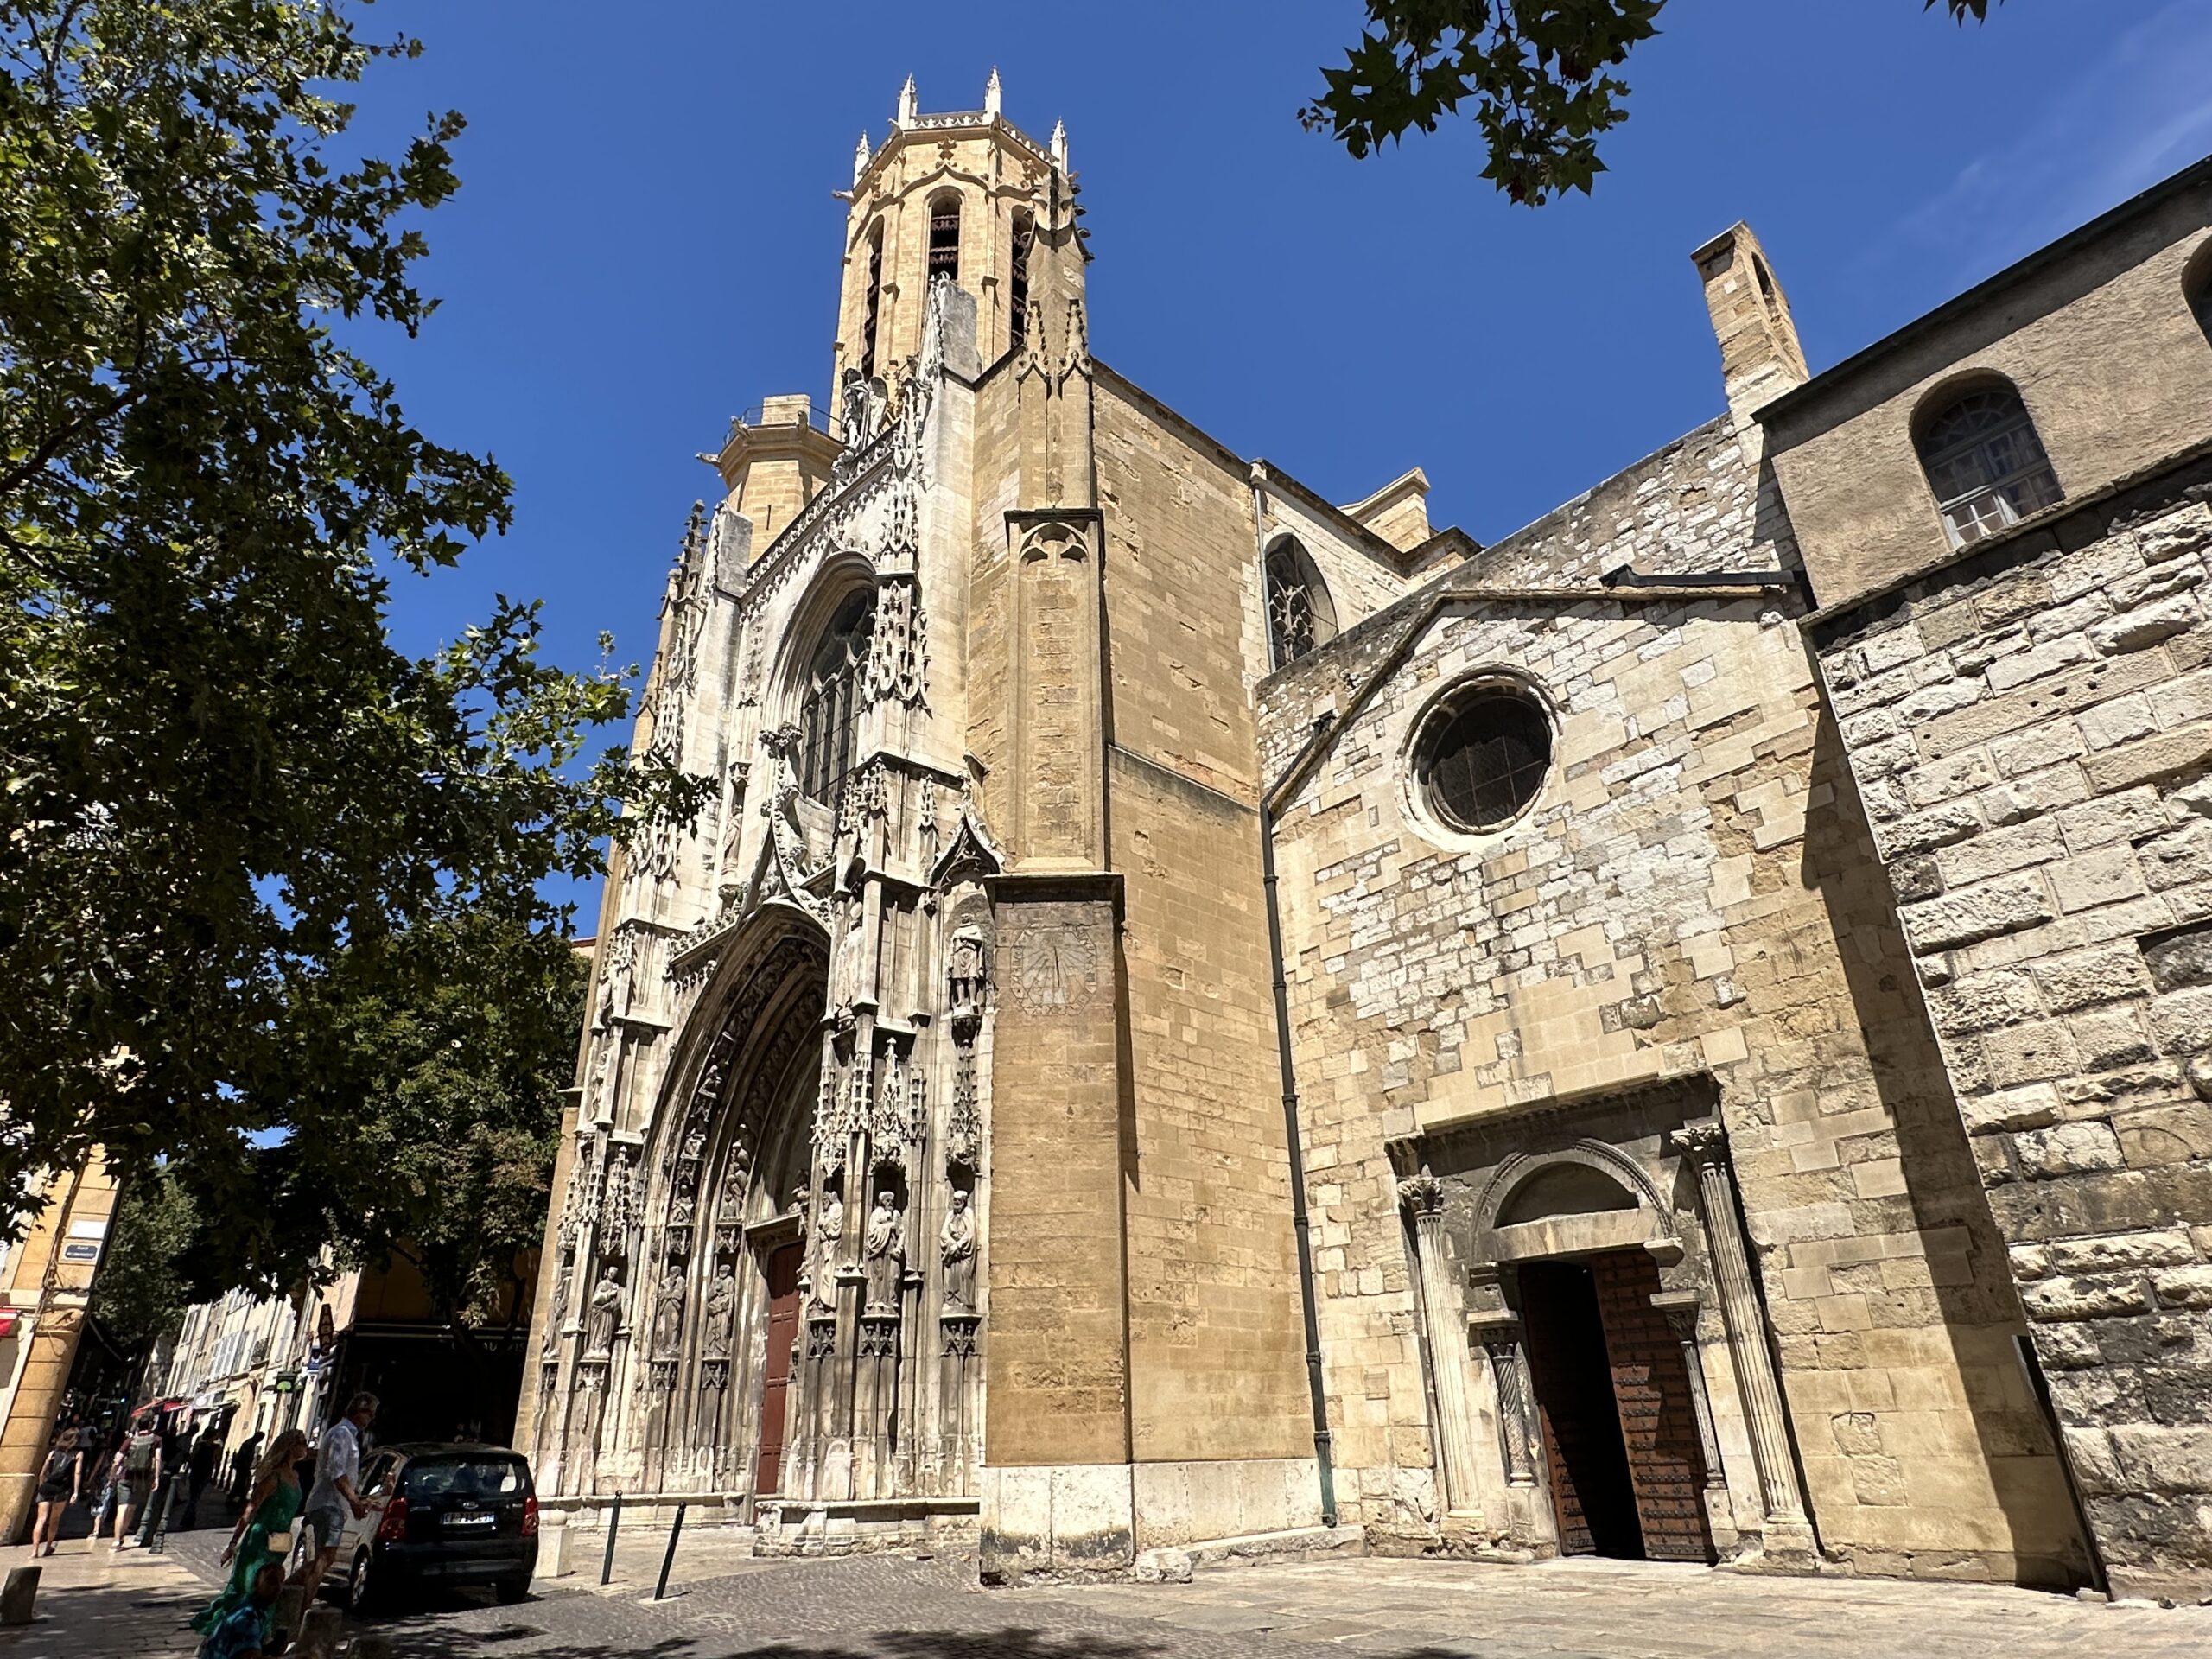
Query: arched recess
pixel 726 1161
pixel 2197 288
pixel 1300 614
pixel 1982 456
pixel 800 700
pixel 1598 1158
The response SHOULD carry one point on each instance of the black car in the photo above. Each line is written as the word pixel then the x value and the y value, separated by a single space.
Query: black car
pixel 440 1515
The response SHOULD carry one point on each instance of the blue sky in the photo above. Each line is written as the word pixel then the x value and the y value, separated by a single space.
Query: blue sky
pixel 645 242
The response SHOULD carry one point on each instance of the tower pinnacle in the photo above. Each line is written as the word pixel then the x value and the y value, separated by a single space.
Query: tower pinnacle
pixel 1060 145
pixel 910 104
pixel 860 154
pixel 992 93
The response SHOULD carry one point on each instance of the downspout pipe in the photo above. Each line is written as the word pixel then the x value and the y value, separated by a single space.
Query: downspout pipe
pixel 1301 1225
pixel 1300 1222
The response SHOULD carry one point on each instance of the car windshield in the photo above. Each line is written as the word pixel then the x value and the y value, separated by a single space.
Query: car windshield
pixel 476 1478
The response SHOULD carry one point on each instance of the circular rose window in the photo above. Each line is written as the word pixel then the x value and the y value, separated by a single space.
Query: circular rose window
pixel 1483 755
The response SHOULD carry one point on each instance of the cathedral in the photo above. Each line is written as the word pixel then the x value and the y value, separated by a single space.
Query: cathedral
pixel 1206 1021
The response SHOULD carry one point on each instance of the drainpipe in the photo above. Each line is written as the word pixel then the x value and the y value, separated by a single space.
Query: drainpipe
pixel 1302 1226
pixel 1300 1223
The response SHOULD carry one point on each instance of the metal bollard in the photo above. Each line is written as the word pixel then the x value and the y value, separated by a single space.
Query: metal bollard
pixel 614 1523
pixel 660 1590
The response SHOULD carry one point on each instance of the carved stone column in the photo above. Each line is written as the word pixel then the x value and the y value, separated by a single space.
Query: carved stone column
pixel 1705 1145
pixel 1681 1308
pixel 1500 1335
pixel 1423 1197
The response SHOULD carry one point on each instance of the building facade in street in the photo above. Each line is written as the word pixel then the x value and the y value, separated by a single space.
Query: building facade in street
pixel 1203 1013
pixel 46 1279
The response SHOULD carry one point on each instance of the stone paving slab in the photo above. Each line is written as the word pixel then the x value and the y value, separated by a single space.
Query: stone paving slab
pixel 882 1607
pixel 96 1604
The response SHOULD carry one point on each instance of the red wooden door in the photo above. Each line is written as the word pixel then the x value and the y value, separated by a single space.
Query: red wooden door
pixel 1652 1390
pixel 783 1331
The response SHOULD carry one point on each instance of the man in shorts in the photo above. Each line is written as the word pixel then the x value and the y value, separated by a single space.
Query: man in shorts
pixel 138 1467
pixel 332 1499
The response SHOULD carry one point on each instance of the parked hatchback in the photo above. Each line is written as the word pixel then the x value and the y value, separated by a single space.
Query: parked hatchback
pixel 440 1515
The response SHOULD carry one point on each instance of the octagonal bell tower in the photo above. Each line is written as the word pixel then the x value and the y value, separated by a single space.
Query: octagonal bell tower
pixel 958 194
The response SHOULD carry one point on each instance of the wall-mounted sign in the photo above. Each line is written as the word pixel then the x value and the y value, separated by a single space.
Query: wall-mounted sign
pixel 95 1228
pixel 324 1332
pixel 283 1382
pixel 75 1250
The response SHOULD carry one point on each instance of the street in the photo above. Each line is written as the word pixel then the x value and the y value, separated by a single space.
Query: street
pixel 724 1605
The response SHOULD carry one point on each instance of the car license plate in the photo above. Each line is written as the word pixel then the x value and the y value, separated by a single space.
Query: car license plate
pixel 471 1520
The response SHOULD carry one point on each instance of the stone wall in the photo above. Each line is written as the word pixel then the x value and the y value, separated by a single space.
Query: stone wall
pixel 2029 728
pixel 1691 899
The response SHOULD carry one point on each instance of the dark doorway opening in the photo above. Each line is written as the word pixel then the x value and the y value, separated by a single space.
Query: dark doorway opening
pixel 1613 1399
pixel 1588 1458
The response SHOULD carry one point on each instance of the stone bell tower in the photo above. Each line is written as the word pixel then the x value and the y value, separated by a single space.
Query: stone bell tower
pixel 953 195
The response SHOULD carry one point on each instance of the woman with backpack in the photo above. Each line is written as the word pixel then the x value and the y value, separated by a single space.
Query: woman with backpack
pixel 61 1483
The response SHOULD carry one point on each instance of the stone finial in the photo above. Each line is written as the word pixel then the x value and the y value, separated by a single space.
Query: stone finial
pixel 993 92
pixel 1760 358
pixel 909 103
pixel 860 155
pixel 1060 145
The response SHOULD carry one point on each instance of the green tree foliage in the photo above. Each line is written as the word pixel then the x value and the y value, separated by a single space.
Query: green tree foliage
pixel 232 817
pixel 1540 74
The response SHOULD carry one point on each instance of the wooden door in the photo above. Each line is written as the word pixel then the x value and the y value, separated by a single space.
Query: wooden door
pixel 1652 1390
pixel 782 1266
pixel 1593 1499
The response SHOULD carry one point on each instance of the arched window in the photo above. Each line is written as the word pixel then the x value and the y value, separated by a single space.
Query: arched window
pixel 1984 463
pixel 2198 287
pixel 945 237
pixel 1299 614
pixel 830 708
pixel 1017 288
pixel 875 306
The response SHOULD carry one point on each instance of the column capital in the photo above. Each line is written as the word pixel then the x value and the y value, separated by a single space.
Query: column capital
pixel 1423 1194
pixel 1702 1140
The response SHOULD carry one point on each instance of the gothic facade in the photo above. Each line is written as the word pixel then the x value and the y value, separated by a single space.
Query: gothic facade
pixel 1205 1014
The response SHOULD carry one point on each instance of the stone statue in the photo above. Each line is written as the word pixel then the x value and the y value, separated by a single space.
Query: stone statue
pixel 955 1244
pixel 829 1234
pixel 886 1256
pixel 606 1313
pixel 965 972
pixel 721 1313
pixel 668 1312
pixel 557 1312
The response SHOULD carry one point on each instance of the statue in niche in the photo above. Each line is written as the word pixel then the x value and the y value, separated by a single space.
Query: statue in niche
pixel 695 1144
pixel 829 1234
pixel 606 1313
pixel 732 1208
pixel 955 1244
pixel 964 974
pixel 886 1255
pixel 557 1310
pixel 720 1314
pixel 668 1312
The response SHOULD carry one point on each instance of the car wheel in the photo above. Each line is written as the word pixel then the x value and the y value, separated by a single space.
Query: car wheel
pixel 363 1590
pixel 511 1590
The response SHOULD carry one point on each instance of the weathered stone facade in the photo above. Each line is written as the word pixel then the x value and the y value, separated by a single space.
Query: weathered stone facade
pixel 1692 1160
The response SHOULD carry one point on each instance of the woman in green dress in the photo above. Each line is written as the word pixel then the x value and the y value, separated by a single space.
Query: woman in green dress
pixel 271 1507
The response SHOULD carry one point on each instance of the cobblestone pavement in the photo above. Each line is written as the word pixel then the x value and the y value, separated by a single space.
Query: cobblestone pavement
pixel 96 1604
pixel 876 1607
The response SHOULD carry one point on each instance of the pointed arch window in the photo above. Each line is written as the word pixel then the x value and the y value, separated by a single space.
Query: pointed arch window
pixel 830 710
pixel 874 307
pixel 1985 463
pixel 1300 614
pixel 1017 288
pixel 944 236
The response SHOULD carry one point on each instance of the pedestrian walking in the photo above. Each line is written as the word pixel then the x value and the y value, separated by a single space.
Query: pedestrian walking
pixel 263 1538
pixel 138 1470
pixel 337 1467
pixel 200 1465
pixel 243 1462
pixel 61 1483
pixel 153 1530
